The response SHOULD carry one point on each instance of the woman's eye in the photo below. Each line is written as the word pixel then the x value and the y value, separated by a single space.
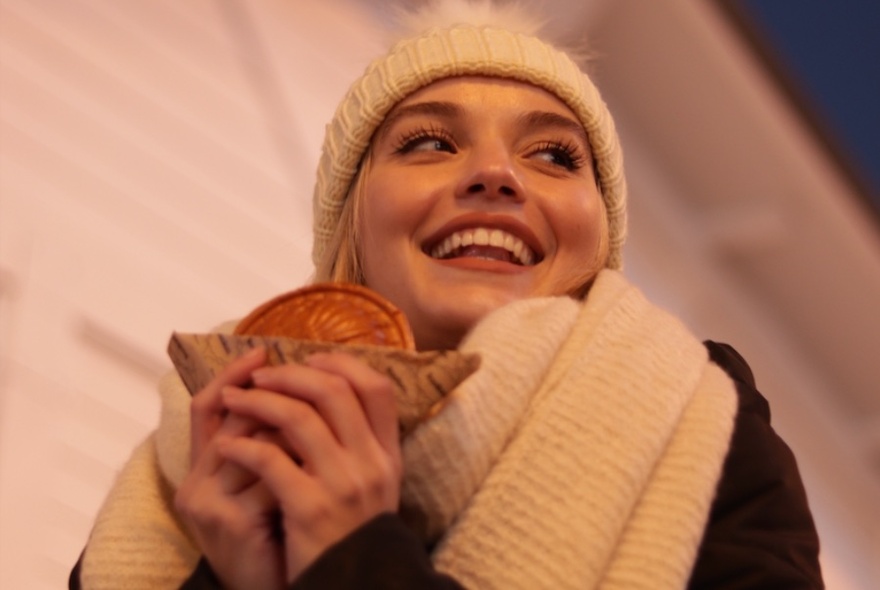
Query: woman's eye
pixel 425 141
pixel 560 155
pixel 427 144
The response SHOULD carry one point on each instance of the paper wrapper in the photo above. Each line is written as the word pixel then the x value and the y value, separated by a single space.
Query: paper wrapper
pixel 421 380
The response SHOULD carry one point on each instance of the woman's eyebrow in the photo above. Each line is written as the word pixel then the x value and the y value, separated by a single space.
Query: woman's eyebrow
pixel 543 119
pixel 448 110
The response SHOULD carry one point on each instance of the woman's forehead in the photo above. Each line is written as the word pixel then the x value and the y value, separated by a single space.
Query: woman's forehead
pixel 478 97
pixel 457 90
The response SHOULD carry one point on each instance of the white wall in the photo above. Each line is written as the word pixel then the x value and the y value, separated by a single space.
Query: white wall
pixel 156 175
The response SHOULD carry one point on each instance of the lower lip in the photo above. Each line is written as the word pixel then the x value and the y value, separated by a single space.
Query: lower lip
pixel 482 265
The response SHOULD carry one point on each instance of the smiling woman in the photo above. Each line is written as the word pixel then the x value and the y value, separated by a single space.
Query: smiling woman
pixel 478 193
pixel 473 177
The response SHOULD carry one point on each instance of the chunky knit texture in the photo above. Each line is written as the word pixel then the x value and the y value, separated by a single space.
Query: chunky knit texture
pixel 584 453
pixel 463 50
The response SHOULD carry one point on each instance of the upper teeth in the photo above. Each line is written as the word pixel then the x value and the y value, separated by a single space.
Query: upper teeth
pixel 482 236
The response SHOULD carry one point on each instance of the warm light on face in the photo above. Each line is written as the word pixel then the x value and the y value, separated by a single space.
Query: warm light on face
pixel 480 192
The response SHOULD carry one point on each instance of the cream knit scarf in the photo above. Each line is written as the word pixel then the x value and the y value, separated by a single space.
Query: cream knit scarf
pixel 584 453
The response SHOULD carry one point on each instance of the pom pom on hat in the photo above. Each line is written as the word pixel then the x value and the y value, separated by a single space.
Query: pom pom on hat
pixel 461 38
pixel 510 16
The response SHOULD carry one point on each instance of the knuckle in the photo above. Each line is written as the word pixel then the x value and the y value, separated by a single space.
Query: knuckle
pixel 197 512
pixel 351 486
pixel 297 415
pixel 315 513
pixel 262 456
pixel 353 493
pixel 186 499
pixel 337 384
pixel 363 489
pixel 394 468
pixel 387 477
pixel 382 389
pixel 381 385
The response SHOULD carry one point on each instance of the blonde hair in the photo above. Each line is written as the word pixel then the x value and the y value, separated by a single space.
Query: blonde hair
pixel 342 260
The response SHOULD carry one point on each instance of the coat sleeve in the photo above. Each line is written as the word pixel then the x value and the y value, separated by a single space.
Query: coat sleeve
pixel 760 533
pixel 383 553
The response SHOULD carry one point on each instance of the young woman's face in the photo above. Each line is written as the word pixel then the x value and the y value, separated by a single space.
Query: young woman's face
pixel 480 192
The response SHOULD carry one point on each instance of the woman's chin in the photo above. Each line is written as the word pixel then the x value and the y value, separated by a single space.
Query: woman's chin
pixel 444 321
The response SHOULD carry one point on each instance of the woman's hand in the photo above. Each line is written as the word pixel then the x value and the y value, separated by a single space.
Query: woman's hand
pixel 338 417
pixel 231 514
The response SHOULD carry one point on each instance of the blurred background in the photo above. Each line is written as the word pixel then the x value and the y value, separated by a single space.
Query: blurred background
pixel 156 169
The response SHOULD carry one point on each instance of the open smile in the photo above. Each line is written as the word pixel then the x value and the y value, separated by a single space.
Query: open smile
pixel 484 242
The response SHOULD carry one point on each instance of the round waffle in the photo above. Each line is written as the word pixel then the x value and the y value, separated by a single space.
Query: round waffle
pixel 331 312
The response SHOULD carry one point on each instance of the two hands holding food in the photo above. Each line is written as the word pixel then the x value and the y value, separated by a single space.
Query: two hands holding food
pixel 296 423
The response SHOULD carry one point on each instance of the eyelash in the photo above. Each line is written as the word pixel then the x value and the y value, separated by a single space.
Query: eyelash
pixel 573 157
pixel 571 154
pixel 409 141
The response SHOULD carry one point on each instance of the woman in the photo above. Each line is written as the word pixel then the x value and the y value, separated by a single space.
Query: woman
pixel 473 177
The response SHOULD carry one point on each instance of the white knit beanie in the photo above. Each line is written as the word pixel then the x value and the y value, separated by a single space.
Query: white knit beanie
pixel 463 46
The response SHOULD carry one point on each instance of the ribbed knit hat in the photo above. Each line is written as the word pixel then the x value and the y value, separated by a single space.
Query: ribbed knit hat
pixel 463 49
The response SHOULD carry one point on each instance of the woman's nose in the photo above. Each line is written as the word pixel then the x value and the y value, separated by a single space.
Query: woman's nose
pixel 490 173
